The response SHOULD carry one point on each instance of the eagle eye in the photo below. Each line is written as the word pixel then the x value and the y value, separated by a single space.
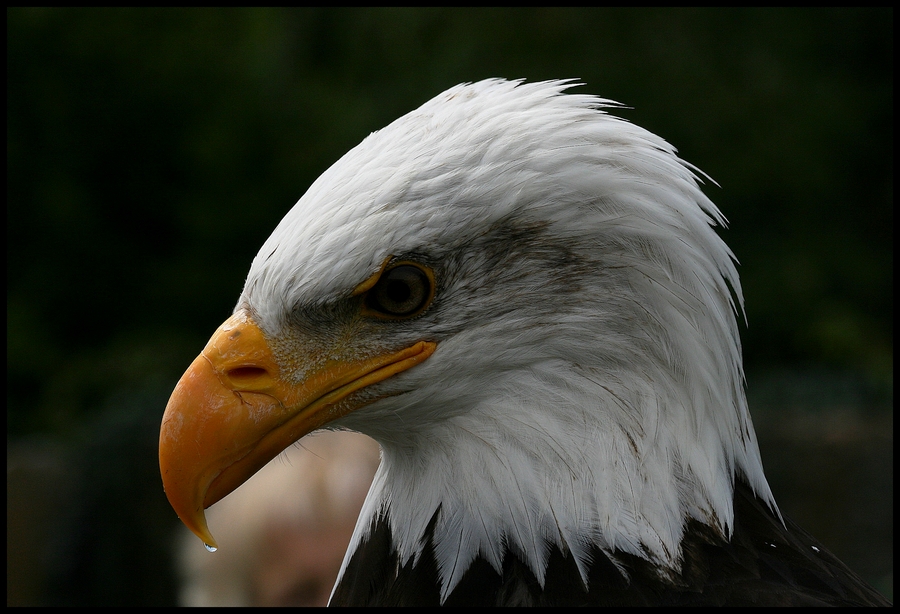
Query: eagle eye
pixel 402 291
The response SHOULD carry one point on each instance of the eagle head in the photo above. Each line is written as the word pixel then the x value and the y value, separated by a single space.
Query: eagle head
pixel 523 299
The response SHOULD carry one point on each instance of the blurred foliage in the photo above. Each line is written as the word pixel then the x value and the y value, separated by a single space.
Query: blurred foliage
pixel 151 152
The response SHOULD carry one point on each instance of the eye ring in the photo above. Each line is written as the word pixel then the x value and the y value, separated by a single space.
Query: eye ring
pixel 400 291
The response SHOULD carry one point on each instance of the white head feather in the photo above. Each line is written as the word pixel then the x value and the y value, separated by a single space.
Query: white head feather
pixel 588 385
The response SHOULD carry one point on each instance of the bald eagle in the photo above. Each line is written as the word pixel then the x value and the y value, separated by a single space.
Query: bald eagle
pixel 523 300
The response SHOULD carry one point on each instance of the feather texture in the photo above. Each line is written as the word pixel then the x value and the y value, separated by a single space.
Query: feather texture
pixel 587 391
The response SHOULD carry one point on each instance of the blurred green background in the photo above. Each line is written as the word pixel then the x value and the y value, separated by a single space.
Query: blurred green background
pixel 151 152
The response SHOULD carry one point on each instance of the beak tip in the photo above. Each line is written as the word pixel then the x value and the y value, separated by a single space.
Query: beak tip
pixel 199 528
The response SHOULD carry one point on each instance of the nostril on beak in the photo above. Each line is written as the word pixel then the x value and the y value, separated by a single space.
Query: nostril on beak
pixel 245 374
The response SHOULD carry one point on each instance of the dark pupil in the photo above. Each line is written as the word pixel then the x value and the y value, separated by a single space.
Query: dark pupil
pixel 401 291
pixel 397 291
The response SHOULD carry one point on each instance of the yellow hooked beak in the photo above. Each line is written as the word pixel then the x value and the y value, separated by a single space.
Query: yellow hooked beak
pixel 235 409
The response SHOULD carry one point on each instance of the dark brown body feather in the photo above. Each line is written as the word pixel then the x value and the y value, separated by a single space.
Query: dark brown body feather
pixel 764 564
